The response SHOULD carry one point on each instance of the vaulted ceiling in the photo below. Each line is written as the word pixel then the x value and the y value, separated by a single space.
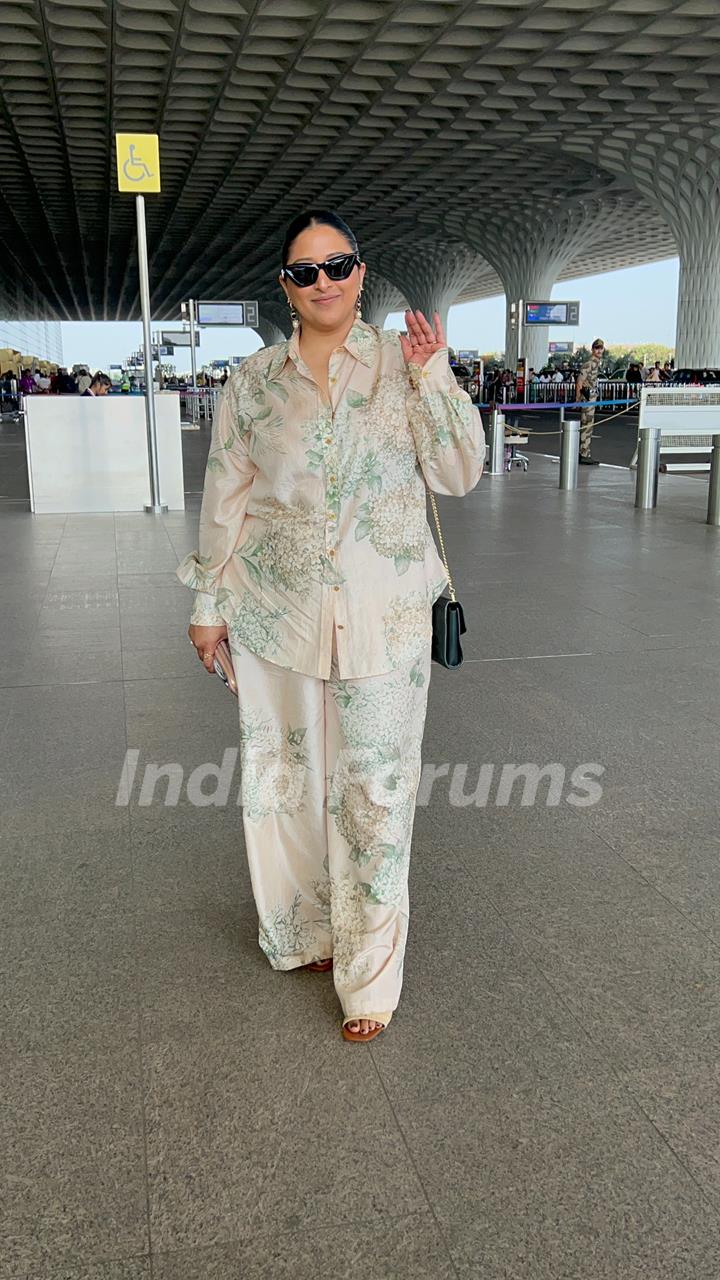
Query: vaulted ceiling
pixel 426 124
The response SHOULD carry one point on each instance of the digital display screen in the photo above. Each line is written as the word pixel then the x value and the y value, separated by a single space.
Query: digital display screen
pixel 552 312
pixel 546 313
pixel 244 313
pixel 221 313
pixel 178 338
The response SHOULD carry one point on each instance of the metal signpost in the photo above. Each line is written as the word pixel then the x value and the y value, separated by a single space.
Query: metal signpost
pixel 138 171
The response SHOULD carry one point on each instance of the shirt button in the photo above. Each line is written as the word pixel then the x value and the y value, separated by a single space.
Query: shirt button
pixel 328 439
pixel 331 552
pixel 331 515
pixel 340 626
pixel 332 378
pixel 332 479
pixel 336 588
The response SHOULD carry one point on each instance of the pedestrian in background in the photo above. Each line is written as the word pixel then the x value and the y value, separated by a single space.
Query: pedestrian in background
pixel 586 390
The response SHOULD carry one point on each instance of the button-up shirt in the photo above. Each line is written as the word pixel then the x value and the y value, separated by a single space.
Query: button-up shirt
pixel 313 516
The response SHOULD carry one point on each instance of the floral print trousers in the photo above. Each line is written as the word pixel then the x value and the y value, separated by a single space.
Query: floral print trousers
pixel 330 771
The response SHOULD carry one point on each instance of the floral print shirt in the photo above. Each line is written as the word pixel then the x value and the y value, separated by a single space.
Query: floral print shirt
pixel 314 514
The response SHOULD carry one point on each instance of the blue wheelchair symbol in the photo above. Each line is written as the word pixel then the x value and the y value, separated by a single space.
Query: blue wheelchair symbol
pixel 139 166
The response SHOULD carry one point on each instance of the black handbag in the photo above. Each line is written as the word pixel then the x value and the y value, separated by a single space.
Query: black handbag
pixel 448 619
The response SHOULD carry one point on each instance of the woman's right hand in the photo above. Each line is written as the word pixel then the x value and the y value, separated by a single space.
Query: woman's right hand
pixel 206 641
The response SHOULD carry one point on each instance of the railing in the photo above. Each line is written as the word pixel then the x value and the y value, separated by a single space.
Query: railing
pixel 564 392
pixel 198 405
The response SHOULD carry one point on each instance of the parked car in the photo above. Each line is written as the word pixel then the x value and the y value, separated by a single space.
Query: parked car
pixel 694 378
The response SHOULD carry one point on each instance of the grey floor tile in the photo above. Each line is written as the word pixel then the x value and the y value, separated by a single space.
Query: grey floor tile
pixel 562 1179
pixel 190 862
pixel 649 1017
pixel 411 1249
pixel 69 984
pixel 132 1269
pixel 592 936
pixel 683 1103
pixel 72 1134
pixel 64 874
pixel 85 799
pixel 264 1129
pixel 202 972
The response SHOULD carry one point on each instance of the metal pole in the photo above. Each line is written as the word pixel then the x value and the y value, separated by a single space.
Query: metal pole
pixel 155 506
pixel 646 484
pixel 497 443
pixel 569 453
pixel 713 512
pixel 193 358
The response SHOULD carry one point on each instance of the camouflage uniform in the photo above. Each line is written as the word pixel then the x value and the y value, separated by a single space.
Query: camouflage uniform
pixel 588 379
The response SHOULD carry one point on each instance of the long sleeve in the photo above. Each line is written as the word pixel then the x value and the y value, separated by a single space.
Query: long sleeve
pixel 228 481
pixel 447 428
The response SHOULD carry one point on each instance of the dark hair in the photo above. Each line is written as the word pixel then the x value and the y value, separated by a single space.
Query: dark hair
pixel 101 380
pixel 316 218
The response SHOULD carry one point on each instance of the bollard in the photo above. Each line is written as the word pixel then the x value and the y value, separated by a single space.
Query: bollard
pixel 713 511
pixel 569 452
pixel 496 440
pixel 646 483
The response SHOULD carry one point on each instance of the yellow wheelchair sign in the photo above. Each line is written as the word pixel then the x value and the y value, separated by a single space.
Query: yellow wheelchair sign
pixel 138 162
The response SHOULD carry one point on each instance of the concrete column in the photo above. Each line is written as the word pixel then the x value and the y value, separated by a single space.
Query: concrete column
pixel 529 281
pixel 379 298
pixel 530 248
pixel 695 219
pixel 678 173
pixel 275 324
pixel 430 275
pixel 697 334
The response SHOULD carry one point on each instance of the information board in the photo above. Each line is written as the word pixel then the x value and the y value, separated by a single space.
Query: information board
pixel 236 313
pixel 549 312
pixel 178 338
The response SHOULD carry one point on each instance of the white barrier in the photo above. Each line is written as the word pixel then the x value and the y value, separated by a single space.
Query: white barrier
pixel 688 417
pixel 89 453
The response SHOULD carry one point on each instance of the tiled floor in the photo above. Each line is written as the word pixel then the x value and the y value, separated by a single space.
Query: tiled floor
pixel 546 1102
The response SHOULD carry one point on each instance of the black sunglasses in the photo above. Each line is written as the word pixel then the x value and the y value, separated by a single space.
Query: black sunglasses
pixel 306 273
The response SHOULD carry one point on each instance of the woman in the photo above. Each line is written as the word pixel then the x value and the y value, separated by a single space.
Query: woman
pixel 317 562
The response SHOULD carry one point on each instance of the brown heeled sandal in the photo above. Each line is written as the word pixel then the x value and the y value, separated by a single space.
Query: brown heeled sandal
pixel 319 966
pixel 382 1018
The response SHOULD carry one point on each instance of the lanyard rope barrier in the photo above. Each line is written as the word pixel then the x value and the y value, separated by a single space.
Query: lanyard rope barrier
pixel 576 404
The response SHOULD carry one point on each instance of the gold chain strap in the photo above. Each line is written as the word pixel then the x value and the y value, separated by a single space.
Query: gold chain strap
pixel 441 540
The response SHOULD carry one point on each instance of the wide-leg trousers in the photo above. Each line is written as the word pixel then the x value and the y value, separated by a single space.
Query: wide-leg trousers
pixel 330 771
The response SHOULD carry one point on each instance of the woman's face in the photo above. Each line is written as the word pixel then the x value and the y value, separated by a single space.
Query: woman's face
pixel 327 304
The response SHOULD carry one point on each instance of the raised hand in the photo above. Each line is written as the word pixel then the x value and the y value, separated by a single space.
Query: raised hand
pixel 423 339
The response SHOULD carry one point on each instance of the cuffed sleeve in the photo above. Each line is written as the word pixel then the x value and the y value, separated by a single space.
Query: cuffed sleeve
pixel 205 612
pixel 447 428
pixel 228 480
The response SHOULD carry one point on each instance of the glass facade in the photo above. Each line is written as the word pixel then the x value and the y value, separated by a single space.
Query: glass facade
pixel 41 338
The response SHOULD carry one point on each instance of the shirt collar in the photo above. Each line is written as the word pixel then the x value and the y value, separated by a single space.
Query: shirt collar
pixel 361 342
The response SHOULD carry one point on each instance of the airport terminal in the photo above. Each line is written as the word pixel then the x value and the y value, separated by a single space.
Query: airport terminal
pixel 499 868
